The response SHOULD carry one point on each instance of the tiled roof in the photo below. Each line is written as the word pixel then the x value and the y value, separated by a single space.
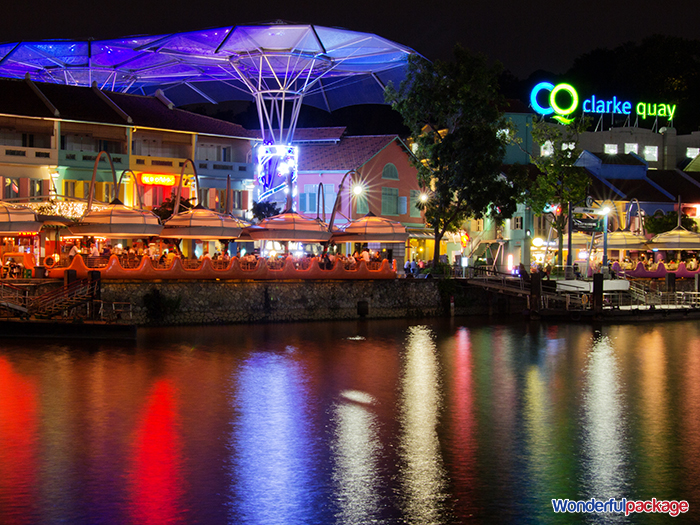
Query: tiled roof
pixel 622 159
pixel 85 105
pixel 640 189
pixel 318 134
pixel 17 98
pixel 349 153
pixel 601 191
pixel 151 112
pixel 676 184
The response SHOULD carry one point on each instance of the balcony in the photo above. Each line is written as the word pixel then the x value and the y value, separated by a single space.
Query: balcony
pixel 86 160
pixel 218 170
pixel 31 156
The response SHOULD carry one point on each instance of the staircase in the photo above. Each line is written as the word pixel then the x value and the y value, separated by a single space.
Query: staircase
pixel 58 301
pixel 14 299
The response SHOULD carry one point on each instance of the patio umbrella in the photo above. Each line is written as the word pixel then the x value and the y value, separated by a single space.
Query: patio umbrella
pixel 625 240
pixel 201 223
pixel 289 226
pixel 16 219
pixel 117 221
pixel 371 228
pixel 677 239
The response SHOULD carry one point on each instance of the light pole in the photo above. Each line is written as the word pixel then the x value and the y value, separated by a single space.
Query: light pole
pixel 336 204
pixel 605 212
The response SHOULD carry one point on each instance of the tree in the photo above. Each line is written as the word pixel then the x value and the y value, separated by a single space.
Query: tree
pixel 559 182
pixel 262 210
pixel 660 222
pixel 165 210
pixel 459 134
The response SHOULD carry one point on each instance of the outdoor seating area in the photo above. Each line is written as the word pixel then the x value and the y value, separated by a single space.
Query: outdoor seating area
pixel 247 267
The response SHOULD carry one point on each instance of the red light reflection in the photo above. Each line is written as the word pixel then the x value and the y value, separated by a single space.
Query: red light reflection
pixel 18 430
pixel 156 477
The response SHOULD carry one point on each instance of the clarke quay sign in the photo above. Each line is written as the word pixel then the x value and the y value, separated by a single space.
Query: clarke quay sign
pixel 563 100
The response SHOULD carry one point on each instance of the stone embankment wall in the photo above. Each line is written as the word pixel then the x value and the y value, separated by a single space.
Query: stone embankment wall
pixel 223 302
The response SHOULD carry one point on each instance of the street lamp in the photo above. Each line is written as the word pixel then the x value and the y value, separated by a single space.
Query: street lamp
pixel 336 204
pixel 605 212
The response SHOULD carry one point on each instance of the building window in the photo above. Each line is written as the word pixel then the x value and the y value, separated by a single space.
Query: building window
pixel 11 188
pixel 517 223
pixel 546 149
pixel 203 197
pixel 610 149
pixel 403 205
pixel 479 225
pixel 632 148
pixel 108 192
pixel 69 188
pixel 651 153
pixel 390 201
pixel 35 188
pixel 415 199
pixel 362 205
pixel 390 172
pixel 691 153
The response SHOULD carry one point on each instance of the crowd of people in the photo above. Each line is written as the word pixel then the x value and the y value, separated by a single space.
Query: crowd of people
pixel 130 257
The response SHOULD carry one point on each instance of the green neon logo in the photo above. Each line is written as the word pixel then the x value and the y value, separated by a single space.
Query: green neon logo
pixel 554 105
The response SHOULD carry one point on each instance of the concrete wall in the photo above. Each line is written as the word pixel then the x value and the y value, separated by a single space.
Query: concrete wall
pixel 220 302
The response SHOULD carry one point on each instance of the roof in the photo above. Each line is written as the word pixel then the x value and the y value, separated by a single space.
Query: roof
pixel 303 135
pixel 349 153
pixel 622 159
pixel 640 189
pixel 334 67
pixel 675 183
pixel 83 104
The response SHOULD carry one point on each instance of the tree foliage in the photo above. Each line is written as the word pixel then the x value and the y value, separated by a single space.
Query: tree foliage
pixel 453 111
pixel 262 210
pixel 559 182
pixel 165 210
pixel 660 222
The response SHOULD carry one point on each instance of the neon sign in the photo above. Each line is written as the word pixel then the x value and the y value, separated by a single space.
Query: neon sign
pixel 157 179
pixel 557 104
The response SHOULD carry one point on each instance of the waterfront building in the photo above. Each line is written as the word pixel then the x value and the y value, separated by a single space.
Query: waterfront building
pixel 51 135
pixel 377 177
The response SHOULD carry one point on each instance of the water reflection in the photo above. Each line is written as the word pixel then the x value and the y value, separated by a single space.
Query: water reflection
pixel 156 478
pixel 356 449
pixel 423 475
pixel 18 442
pixel 606 468
pixel 273 457
pixel 384 422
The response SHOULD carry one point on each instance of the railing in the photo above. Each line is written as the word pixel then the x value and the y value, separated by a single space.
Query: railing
pixel 13 297
pixel 55 301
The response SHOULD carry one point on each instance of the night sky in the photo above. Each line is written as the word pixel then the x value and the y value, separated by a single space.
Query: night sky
pixel 525 35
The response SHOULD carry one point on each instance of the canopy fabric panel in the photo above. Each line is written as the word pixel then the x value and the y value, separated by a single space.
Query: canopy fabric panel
pixel 677 239
pixel 201 223
pixel 118 221
pixel 289 226
pixel 371 228
pixel 330 67
pixel 16 219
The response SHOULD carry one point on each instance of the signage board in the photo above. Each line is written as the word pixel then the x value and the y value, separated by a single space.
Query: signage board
pixel 587 225
pixel 157 179
pixel 563 99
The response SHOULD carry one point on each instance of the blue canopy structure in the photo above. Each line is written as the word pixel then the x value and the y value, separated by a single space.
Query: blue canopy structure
pixel 278 65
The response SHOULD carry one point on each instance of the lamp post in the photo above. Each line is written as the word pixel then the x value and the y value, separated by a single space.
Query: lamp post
pixel 605 212
pixel 336 204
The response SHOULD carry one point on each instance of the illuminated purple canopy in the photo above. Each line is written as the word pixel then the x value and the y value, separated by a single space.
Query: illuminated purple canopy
pixel 274 65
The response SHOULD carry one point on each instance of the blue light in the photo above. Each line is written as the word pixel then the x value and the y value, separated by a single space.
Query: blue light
pixel 533 98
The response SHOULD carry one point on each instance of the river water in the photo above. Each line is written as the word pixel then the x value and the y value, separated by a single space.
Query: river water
pixel 447 421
